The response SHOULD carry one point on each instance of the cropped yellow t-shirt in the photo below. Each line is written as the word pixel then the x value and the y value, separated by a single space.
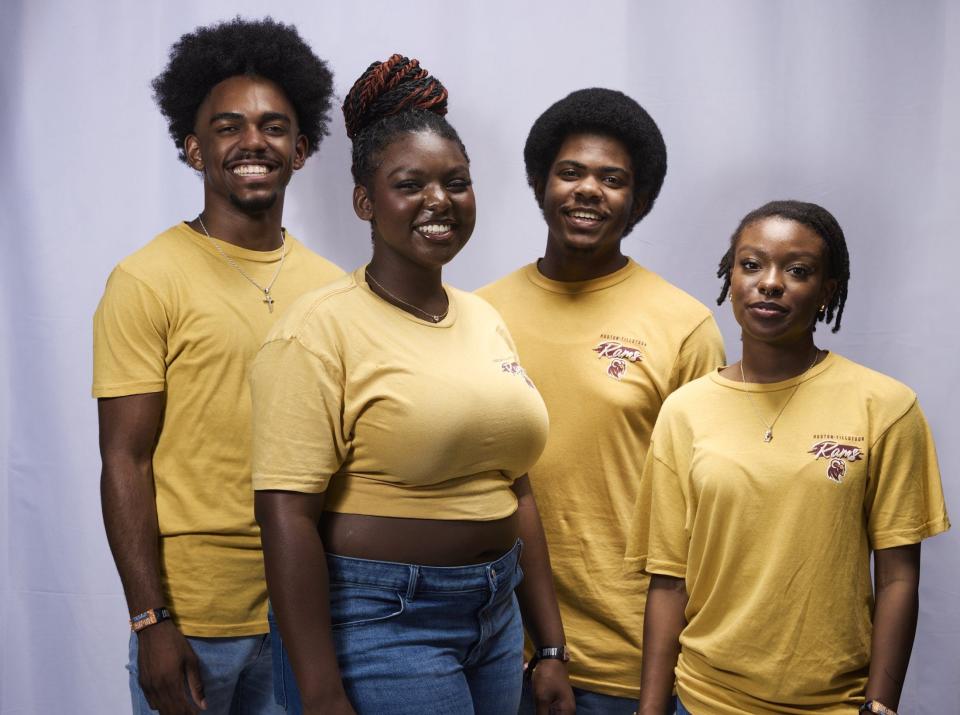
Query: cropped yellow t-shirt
pixel 773 538
pixel 391 415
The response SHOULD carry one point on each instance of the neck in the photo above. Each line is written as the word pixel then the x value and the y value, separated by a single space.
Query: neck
pixel 258 231
pixel 569 266
pixel 407 282
pixel 765 362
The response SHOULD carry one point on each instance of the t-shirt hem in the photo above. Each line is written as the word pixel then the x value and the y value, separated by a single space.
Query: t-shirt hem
pixel 666 568
pixel 206 630
pixel 904 537
pixel 127 388
pixel 262 482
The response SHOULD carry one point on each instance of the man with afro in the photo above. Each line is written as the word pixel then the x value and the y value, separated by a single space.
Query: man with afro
pixel 605 340
pixel 179 322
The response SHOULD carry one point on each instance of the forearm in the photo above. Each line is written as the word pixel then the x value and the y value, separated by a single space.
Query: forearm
pixel 297 580
pixel 536 594
pixel 663 622
pixel 894 625
pixel 130 519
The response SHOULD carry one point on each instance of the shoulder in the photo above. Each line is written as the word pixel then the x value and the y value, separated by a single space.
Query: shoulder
pixel 316 264
pixel 674 302
pixel 885 397
pixel 505 287
pixel 474 305
pixel 318 310
pixel 689 397
pixel 165 251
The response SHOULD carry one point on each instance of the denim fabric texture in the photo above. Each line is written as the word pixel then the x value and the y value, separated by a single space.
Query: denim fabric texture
pixel 237 676
pixel 420 640
pixel 680 709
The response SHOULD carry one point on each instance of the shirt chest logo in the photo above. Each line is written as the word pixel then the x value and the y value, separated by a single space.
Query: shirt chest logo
pixel 512 367
pixel 618 356
pixel 837 453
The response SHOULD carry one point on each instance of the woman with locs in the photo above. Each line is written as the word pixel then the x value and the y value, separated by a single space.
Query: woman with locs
pixel 768 485
pixel 393 428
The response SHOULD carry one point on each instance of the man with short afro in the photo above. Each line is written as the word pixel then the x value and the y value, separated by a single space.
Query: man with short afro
pixel 606 341
pixel 179 322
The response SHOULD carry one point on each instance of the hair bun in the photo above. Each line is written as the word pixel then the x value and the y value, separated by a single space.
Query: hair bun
pixel 397 85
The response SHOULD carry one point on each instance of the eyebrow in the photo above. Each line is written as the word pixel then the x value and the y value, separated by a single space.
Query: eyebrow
pixel 236 116
pixel 420 172
pixel 790 255
pixel 603 169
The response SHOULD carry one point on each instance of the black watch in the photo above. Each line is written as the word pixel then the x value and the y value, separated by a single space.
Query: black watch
pixel 549 653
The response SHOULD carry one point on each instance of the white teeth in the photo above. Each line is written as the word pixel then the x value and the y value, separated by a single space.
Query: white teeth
pixel 592 215
pixel 434 228
pixel 250 170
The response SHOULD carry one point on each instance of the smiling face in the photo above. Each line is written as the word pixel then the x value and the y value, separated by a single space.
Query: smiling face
pixel 588 201
pixel 419 201
pixel 247 144
pixel 779 281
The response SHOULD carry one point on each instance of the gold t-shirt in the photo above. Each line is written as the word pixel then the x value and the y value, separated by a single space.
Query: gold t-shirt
pixel 391 415
pixel 177 318
pixel 604 354
pixel 774 539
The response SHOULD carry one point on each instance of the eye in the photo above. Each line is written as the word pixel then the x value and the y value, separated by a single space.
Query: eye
pixel 568 174
pixel 226 129
pixel 614 181
pixel 459 185
pixel 748 264
pixel 275 129
pixel 408 186
pixel 799 271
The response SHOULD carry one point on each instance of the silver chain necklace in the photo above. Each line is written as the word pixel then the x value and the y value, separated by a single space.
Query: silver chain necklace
pixel 430 316
pixel 267 298
pixel 768 435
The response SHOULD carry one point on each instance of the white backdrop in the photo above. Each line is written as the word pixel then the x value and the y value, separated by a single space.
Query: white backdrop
pixel 848 103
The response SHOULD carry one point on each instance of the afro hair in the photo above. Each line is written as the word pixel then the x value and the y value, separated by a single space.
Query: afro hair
pixel 609 113
pixel 265 48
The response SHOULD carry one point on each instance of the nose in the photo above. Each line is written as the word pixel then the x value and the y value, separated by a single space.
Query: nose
pixel 436 198
pixel 587 188
pixel 252 139
pixel 771 283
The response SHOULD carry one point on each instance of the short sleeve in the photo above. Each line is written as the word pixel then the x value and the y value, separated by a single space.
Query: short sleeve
pixel 904 498
pixel 658 542
pixel 129 339
pixel 298 433
pixel 701 352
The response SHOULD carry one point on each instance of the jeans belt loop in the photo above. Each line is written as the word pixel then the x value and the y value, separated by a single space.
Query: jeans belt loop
pixel 412 582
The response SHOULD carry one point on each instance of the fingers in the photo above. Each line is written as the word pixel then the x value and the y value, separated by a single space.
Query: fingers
pixel 194 681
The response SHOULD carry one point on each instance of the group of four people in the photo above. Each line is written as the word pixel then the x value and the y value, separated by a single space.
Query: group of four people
pixel 400 431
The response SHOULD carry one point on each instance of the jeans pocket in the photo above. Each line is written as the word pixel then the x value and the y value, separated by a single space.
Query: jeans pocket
pixel 352 605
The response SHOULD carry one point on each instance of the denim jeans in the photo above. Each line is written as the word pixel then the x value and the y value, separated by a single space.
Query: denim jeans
pixel 421 640
pixel 588 703
pixel 236 672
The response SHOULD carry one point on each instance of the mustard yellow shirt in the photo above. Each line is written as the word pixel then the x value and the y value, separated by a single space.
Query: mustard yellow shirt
pixel 391 415
pixel 774 539
pixel 176 318
pixel 604 353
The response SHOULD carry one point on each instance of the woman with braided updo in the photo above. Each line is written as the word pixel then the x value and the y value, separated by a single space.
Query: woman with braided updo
pixel 393 429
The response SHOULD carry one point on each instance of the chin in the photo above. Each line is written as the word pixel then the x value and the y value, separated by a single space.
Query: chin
pixel 256 204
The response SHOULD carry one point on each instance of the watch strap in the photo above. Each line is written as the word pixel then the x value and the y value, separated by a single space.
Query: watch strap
pixel 875 706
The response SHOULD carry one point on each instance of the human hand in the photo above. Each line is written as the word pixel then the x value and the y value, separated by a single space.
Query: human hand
pixel 335 705
pixel 551 688
pixel 164 660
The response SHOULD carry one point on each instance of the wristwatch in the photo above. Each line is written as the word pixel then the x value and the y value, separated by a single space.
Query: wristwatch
pixel 148 618
pixel 875 706
pixel 549 653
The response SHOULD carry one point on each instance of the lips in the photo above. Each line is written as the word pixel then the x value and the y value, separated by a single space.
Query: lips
pixel 251 169
pixel 437 231
pixel 583 218
pixel 768 309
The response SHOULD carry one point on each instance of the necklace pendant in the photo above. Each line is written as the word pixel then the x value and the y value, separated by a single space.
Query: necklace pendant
pixel 268 299
pixel 768 436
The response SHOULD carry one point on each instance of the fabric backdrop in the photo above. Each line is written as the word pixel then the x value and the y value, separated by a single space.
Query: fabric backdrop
pixel 847 103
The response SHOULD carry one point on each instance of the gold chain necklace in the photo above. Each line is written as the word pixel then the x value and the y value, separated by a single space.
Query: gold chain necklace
pixel 267 298
pixel 768 435
pixel 430 316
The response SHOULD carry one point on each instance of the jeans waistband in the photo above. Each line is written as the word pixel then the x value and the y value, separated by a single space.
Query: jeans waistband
pixel 413 578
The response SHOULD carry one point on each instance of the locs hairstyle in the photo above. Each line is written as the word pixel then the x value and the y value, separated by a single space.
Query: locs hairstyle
pixel 609 113
pixel 822 223
pixel 392 98
pixel 263 48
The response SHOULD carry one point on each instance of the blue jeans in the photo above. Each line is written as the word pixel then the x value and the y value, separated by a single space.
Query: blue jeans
pixel 420 640
pixel 588 703
pixel 236 672
pixel 680 709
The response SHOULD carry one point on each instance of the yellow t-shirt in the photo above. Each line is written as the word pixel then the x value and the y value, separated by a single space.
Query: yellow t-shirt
pixel 774 539
pixel 604 354
pixel 391 415
pixel 177 318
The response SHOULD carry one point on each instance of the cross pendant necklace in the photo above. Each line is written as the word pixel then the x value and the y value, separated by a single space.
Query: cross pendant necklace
pixel 267 298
